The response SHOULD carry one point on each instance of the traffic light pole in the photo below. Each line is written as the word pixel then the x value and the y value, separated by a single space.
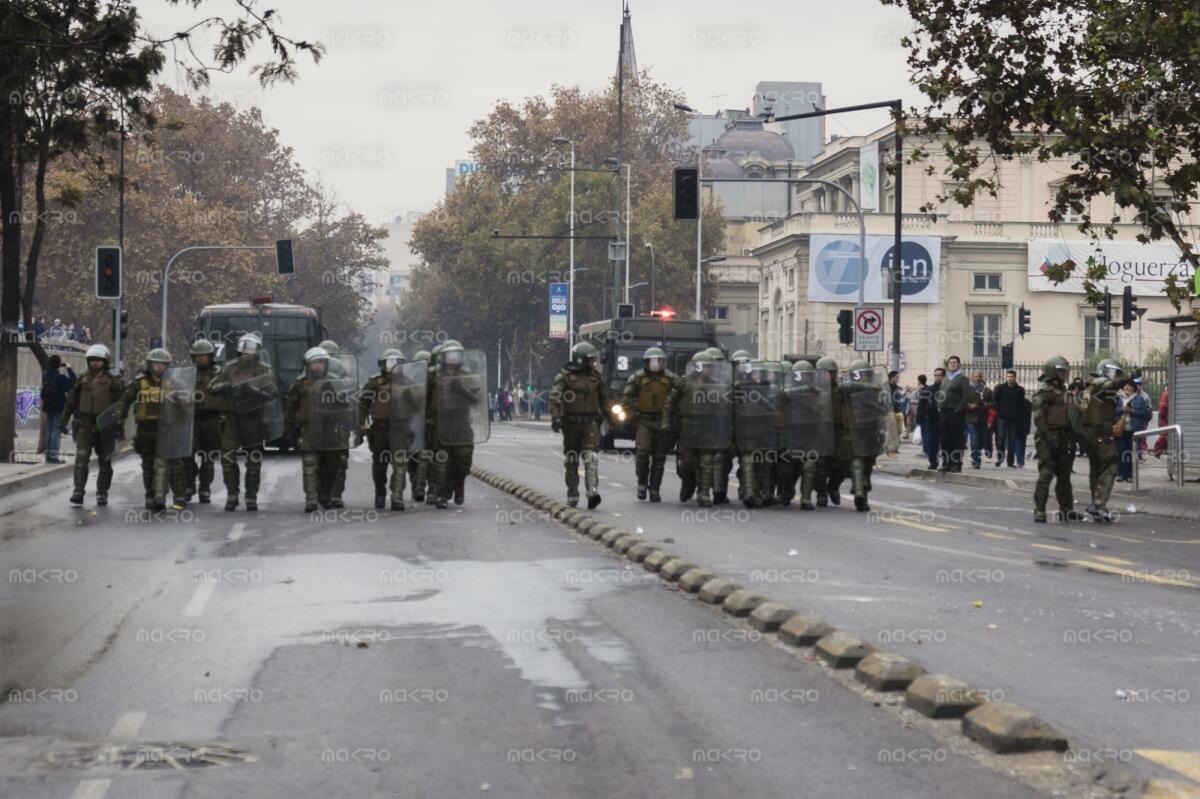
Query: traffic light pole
pixel 121 244
pixel 166 278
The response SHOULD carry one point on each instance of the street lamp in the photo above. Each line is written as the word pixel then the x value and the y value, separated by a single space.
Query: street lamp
pixel 687 109
pixel 650 247
pixel 571 272
pixel 628 215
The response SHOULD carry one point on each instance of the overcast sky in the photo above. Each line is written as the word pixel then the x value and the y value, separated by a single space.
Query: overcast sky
pixel 388 109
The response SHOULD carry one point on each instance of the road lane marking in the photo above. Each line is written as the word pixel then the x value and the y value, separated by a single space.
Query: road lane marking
pixel 1112 560
pixel 195 605
pixel 928 528
pixel 1133 576
pixel 1051 547
pixel 999 536
pixel 961 552
pixel 1186 763
pixel 128 724
pixel 91 789
pixel 236 532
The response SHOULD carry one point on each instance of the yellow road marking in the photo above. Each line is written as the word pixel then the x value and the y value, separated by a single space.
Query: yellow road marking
pixel 1186 763
pixel 1173 540
pixel 1114 561
pixel 1133 576
pixel 1000 536
pixel 1051 547
pixel 928 528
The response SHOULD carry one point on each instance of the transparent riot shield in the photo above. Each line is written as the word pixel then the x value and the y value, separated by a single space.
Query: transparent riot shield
pixel 706 407
pixel 112 429
pixel 868 404
pixel 333 406
pixel 254 403
pixel 406 406
pixel 460 398
pixel 176 412
pixel 807 417
pixel 756 387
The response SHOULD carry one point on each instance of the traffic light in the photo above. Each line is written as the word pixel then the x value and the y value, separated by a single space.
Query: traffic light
pixel 108 273
pixel 845 321
pixel 1104 312
pixel 687 192
pixel 1024 318
pixel 625 310
pixel 124 323
pixel 283 257
pixel 1006 356
pixel 1129 309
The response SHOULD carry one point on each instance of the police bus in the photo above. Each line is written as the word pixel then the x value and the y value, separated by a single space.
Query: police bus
pixel 287 332
pixel 622 341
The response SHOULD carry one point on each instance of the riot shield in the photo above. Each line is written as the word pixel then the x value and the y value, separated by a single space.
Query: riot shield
pixel 254 405
pixel 175 413
pixel 756 404
pixel 332 402
pixel 111 429
pixel 807 417
pixel 707 406
pixel 407 388
pixel 460 398
pixel 868 405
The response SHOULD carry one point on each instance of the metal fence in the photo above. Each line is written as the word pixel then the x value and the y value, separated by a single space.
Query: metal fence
pixel 1030 374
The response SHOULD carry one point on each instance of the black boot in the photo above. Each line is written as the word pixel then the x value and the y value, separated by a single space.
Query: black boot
pixel 77 498
pixel 397 504
pixel 641 492
pixel 101 499
pixel 572 499
pixel 861 505
pixel 252 504
pixel 310 506
pixel 593 501
pixel 231 502
pixel 655 496
pixel 806 505
pixel 380 500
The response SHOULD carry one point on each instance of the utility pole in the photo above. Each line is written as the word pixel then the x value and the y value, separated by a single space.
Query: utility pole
pixel 120 243
pixel 498 364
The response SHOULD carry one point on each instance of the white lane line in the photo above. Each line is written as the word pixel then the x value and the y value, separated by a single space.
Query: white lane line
pixel 236 532
pixel 128 724
pixel 195 605
pixel 91 789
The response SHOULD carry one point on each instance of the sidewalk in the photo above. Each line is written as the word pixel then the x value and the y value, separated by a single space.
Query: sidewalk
pixel 1157 495
pixel 27 473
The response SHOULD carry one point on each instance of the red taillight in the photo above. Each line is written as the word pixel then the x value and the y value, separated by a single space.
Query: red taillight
pixel 663 313
pixel 262 299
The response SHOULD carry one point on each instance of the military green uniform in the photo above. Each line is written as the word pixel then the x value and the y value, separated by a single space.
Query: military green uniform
pixel 91 395
pixel 578 402
pixel 243 432
pixel 420 462
pixel 1055 417
pixel 1099 417
pixel 206 434
pixel 837 466
pixel 452 426
pixel 755 424
pixel 319 468
pixel 146 393
pixel 689 411
pixel 685 461
pixel 645 395
pixel 376 403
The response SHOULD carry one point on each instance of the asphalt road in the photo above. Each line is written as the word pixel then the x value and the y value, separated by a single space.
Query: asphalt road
pixel 1094 627
pixel 473 651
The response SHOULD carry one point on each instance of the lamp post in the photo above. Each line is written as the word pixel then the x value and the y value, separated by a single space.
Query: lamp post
pixel 687 109
pixel 571 269
pixel 650 247
pixel 628 214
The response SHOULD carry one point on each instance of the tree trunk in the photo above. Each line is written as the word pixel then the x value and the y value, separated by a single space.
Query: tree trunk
pixel 10 281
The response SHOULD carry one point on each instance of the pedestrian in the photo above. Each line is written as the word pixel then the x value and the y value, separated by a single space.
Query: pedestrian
pixel 1054 415
pixel 645 396
pixel 578 403
pixel 92 400
pixel 492 397
pixel 55 387
pixel 1164 414
pixel 1134 406
pixel 1009 400
pixel 975 416
pixel 952 401
pixel 39 328
pixel 895 420
pixel 927 415
pixel 56 331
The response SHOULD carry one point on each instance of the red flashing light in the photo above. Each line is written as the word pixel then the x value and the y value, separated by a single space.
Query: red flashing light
pixel 663 313
pixel 261 299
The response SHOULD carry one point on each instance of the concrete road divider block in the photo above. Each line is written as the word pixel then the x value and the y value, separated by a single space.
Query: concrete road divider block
pixel 654 561
pixel 1005 728
pixel 616 541
pixel 560 510
pixel 715 591
pixel 571 517
pixel 885 671
pixel 675 568
pixel 612 535
pixel 770 616
pixel 1169 789
pixel 585 525
pixel 692 579
pixel 638 552
pixel 623 545
pixel 840 650
pixel 803 630
pixel 742 602
pixel 599 531
pixel 941 697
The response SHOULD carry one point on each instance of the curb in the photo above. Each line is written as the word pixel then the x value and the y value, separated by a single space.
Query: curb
pixel 1000 727
pixel 44 474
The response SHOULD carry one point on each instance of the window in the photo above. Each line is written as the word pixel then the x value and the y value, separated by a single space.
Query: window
pixel 1096 336
pixel 791 278
pixel 985 335
pixel 722 312
pixel 986 281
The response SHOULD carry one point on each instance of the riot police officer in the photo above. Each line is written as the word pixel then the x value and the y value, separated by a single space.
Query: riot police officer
pixel 323 439
pixel 206 427
pixel 868 406
pixel 738 359
pixel 147 392
pixel 251 416
pixel 755 406
pixel 645 395
pixel 832 470
pixel 92 400
pixel 460 409
pixel 1055 420
pixel 374 411
pixel 578 402
pixel 704 407
pixel 1099 417
pixel 808 433
pixel 420 461
pixel 724 464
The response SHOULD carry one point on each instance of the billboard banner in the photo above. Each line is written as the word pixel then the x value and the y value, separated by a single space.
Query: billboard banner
pixel 1128 263
pixel 559 297
pixel 834 263
pixel 868 176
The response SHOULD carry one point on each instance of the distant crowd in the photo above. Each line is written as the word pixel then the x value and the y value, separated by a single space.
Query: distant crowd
pixel 57 331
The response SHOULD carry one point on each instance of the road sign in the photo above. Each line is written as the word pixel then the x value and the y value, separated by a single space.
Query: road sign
pixel 868 329
pixel 559 298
